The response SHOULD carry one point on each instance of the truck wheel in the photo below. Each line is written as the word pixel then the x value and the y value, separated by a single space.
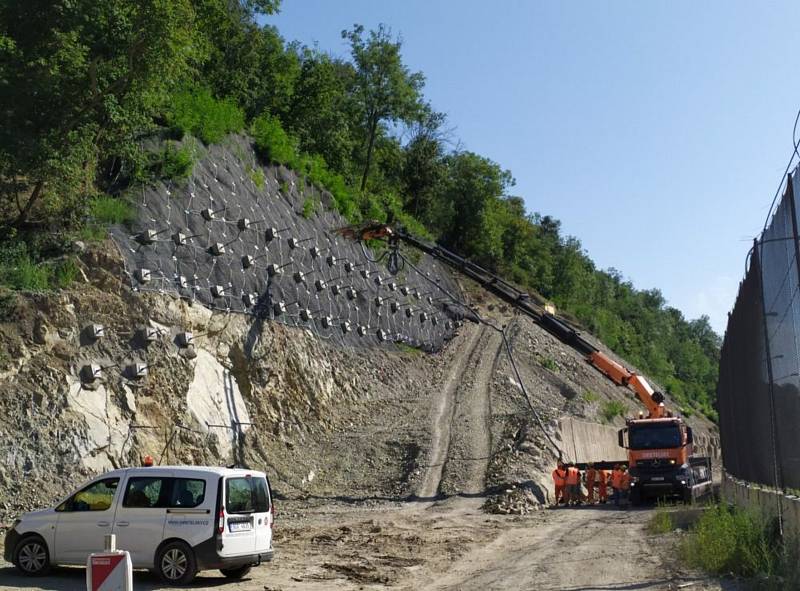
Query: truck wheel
pixel 236 573
pixel 175 564
pixel 31 556
pixel 688 497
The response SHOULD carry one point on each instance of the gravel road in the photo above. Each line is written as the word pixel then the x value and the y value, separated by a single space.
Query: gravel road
pixel 445 545
pixel 441 539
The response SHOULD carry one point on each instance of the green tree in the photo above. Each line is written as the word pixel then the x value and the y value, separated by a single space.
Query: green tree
pixel 78 81
pixel 424 167
pixel 386 91
pixel 471 186
pixel 321 114
pixel 246 62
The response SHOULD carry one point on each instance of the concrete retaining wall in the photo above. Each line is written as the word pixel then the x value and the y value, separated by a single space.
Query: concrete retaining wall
pixel 747 494
pixel 588 442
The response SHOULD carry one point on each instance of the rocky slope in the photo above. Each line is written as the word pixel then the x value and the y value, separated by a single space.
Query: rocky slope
pixel 330 419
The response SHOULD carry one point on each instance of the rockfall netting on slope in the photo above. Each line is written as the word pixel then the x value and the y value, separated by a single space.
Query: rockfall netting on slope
pixel 234 240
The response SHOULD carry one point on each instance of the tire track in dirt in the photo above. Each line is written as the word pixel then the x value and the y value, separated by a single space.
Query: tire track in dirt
pixel 443 411
pixel 470 434
pixel 572 550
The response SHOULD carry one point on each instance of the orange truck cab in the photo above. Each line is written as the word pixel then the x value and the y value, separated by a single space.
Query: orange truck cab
pixel 660 459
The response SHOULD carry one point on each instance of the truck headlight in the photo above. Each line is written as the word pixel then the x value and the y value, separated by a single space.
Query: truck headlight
pixel 682 481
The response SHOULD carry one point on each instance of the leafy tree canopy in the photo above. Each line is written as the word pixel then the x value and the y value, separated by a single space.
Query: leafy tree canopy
pixel 82 81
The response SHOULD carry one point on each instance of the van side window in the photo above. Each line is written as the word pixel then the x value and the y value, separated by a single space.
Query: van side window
pixel 98 496
pixel 144 492
pixel 155 492
pixel 187 492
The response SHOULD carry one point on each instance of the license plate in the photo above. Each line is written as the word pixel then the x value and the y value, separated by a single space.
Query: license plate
pixel 240 526
pixel 657 478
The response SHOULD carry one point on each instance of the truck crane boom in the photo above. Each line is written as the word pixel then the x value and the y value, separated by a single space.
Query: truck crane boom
pixel 660 445
pixel 652 400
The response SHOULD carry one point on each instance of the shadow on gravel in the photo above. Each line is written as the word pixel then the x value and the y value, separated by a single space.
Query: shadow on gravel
pixel 411 498
pixel 656 584
pixel 72 578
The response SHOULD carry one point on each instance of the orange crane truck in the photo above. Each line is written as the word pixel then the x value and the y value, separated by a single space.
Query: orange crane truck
pixel 659 445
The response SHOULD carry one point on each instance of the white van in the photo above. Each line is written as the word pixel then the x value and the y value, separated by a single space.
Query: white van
pixel 174 520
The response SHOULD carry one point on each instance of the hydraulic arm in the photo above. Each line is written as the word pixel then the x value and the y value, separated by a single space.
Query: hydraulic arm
pixel 522 301
pixel 652 400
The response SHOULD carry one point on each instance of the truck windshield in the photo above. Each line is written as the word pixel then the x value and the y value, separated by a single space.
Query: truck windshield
pixel 654 436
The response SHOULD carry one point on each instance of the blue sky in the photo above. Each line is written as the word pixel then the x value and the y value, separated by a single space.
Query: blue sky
pixel 656 132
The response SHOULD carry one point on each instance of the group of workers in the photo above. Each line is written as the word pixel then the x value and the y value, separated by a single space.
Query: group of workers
pixel 567 479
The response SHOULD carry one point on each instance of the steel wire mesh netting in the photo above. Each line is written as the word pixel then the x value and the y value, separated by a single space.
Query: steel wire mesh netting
pixel 759 382
pixel 272 251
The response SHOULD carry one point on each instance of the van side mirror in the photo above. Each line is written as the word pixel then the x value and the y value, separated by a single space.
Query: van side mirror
pixel 621 437
pixel 689 435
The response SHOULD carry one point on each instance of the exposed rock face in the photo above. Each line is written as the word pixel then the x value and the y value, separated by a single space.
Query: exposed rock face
pixel 214 401
pixel 188 408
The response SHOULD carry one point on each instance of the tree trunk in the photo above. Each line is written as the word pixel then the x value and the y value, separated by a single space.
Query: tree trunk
pixel 35 194
pixel 373 128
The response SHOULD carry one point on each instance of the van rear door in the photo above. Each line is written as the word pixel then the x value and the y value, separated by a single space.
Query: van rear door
pixel 263 514
pixel 238 531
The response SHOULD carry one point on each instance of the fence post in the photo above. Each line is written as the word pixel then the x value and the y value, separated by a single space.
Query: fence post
pixel 770 377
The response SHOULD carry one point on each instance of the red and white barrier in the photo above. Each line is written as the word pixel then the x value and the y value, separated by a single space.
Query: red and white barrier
pixel 110 570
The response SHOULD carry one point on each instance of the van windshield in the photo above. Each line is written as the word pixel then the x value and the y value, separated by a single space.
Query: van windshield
pixel 246 495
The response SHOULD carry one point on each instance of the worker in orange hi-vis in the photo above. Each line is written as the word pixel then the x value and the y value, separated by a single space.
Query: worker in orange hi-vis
pixel 625 485
pixel 616 484
pixel 602 485
pixel 573 485
pixel 591 474
pixel 559 482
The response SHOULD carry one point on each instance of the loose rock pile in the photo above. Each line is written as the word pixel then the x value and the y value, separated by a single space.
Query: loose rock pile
pixel 515 500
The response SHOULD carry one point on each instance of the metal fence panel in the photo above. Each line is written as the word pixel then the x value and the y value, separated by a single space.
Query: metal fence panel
pixel 743 389
pixel 759 383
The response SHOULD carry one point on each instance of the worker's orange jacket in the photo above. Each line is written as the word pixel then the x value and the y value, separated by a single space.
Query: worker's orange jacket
pixel 625 481
pixel 591 475
pixel 616 478
pixel 602 478
pixel 573 475
pixel 559 477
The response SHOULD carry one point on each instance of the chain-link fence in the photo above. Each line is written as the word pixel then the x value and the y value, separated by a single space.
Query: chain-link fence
pixel 759 382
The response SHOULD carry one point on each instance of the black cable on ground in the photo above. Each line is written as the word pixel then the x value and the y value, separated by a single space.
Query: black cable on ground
pixel 507 345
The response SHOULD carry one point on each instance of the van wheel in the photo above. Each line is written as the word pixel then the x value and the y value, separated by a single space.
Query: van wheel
pixel 175 563
pixel 31 556
pixel 236 573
